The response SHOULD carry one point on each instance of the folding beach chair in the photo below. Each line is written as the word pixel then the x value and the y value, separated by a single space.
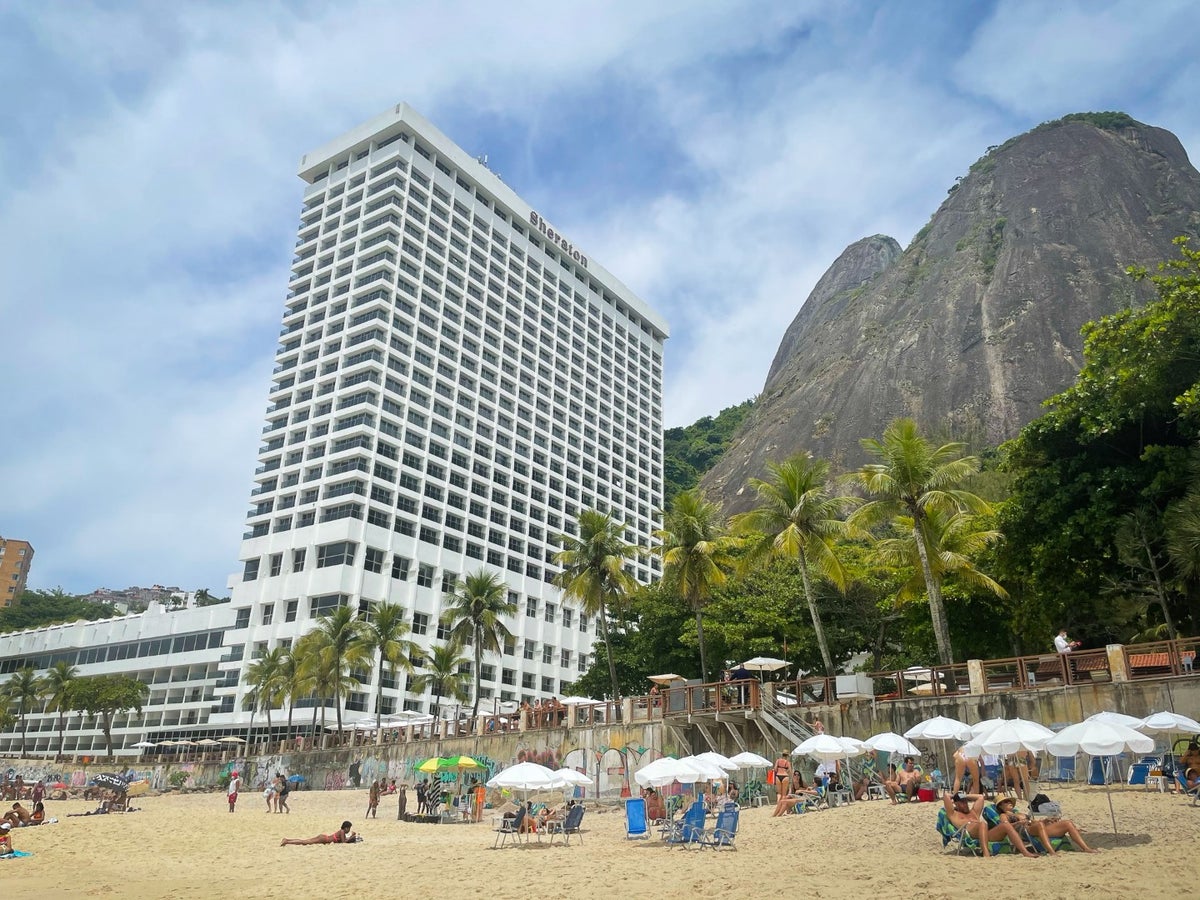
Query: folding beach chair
pixel 959 840
pixel 1064 770
pixel 568 826
pixel 635 818
pixel 689 830
pixel 724 831
pixel 509 827
pixel 1194 793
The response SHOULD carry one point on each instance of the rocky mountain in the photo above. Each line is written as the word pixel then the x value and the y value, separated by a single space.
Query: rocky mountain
pixel 978 321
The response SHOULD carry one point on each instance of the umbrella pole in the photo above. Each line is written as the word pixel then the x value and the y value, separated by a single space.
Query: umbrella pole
pixel 1108 791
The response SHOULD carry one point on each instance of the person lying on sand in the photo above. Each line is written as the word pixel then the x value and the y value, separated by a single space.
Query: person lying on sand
pixel 342 836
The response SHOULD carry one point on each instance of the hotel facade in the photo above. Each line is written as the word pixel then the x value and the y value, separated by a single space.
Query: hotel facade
pixel 455 381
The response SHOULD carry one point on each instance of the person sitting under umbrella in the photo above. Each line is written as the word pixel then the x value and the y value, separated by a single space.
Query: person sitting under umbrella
pixel 966 811
pixel 343 835
pixel 797 796
pixel 906 781
pixel 1042 829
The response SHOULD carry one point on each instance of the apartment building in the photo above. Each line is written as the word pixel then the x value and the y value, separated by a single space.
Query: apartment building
pixel 15 560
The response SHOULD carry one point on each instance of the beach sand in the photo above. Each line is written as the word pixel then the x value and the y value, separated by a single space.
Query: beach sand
pixel 191 846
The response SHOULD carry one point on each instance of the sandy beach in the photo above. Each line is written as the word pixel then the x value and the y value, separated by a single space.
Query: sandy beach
pixel 191 846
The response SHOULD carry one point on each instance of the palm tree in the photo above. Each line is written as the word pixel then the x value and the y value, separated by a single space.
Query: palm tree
pixel 443 676
pixel 385 634
pixel 696 551
pixel 338 648
pixel 475 612
pixel 798 518
pixel 294 682
pixel 25 689
pixel 265 675
pixel 953 538
pixel 59 682
pixel 593 573
pixel 912 479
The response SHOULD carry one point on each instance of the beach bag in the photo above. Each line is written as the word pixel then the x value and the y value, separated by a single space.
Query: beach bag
pixel 770 776
pixel 1044 806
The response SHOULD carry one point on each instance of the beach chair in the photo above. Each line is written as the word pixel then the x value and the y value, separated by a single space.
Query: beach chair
pixel 509 827
pixel 636 825
pixel 958 840
pixel 724 831
pixel 1181 780
pixel 689 831
pixel 568 826
pixel 1064 769
pixel 1137 774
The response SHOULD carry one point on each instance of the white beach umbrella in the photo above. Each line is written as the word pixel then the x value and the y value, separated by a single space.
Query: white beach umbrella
pixel 663 767
pixel 1099 738
pixel 748 760
pixel 573 777
pixel 145 744
pixel 824 747
pixel 765 664
pixel 981 728
pixel 579 701
pixel 204 742
pixel 1115 718
pixel 939 728
pixel 526 776
pixel 705 770
pixel 1161 721
pixel 716 759
pixel 890 742
pixel 1011 737
pixel 230 739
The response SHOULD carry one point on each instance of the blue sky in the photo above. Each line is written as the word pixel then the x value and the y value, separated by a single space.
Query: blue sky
pixel 717 157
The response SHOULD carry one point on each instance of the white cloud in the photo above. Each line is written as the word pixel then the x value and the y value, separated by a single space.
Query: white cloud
pixel 155 225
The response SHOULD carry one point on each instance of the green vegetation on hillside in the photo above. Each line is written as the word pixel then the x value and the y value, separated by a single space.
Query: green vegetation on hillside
pixel 1092 523
pixel 692 450
pixel 36 609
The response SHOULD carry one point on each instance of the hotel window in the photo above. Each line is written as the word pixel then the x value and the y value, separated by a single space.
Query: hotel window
pixel 530 647
pixel 243 618
pixel 341 553
pixel 374 560
pixel 551 609
pixel 268 614
pixel 420 623
pixel 547 654
pixel 250 572
pixel 425 576
pixel 276 566
pixel 298 557
pixel 400 566
pixel 293 607
pixel 449 582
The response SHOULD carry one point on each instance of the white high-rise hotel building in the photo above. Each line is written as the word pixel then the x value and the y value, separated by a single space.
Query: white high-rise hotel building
pixel 455 381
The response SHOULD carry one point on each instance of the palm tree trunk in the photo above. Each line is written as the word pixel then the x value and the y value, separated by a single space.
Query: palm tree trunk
pixel 379 702
pixel 818 628
pixel 700 639
pixel 612 666
pixel 25 730
pixel 478 675
pixel 62 724
pixel 937 610
pixel 291 709
pixel 268 726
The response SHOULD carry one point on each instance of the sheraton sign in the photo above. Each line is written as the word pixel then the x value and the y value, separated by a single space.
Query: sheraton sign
pixel 557 239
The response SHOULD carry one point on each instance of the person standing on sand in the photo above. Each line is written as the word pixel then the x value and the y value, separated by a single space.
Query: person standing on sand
pixel 373 800
pixel 235 782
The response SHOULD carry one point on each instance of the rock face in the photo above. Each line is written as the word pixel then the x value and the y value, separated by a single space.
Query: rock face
pixel 978 321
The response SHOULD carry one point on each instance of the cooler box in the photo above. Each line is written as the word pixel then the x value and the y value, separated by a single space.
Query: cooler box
pixel 926 795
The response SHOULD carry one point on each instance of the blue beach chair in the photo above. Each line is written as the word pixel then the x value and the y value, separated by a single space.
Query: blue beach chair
pixel 689 830
pixel 636 825
pixel 724 831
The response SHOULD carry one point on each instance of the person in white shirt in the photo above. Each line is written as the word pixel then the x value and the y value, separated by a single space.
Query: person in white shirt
pixel 235 782
pixel 1064 644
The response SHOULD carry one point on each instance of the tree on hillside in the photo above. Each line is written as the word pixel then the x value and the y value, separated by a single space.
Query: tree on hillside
pixel 798 518
pixel 59 683
pixel 475 612
pixel 25 689
pixel 915 479
pixel 105 696
pixel 385 634
pixel 593 572
pixel 1119 439
pixel 696 553
pixel 37 609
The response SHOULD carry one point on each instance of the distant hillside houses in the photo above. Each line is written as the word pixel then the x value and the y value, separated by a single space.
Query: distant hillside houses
pixel 137 599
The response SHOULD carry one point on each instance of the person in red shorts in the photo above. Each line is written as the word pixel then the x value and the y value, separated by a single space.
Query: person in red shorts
pixel 235 782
